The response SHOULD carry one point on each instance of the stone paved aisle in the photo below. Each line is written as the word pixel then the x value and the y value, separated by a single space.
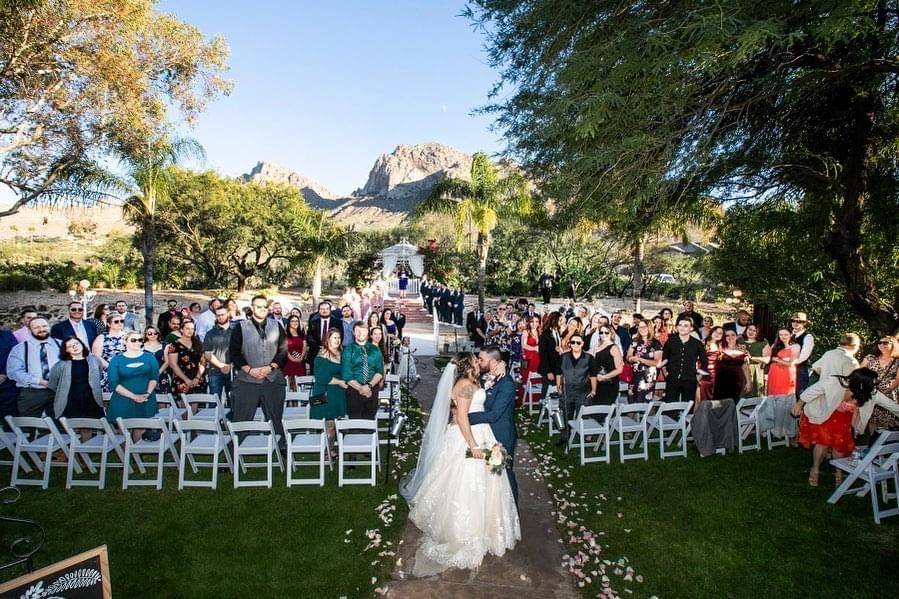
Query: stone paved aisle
pixel 533 569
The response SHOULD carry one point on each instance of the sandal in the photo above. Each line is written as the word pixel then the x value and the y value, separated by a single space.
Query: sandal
pixel 838 478
pixel 813 478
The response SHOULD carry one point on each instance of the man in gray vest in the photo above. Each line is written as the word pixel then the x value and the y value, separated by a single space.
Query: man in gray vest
pixel 258 349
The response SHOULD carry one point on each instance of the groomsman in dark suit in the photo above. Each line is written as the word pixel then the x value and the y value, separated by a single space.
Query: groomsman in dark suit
pixel 446 301
pixel 424 288
pixel 319 324
pixel 459 304
pixel 476 325
pixel 399 317
pixel 75 326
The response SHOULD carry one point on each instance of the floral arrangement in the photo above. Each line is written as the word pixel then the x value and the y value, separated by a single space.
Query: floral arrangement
pixel 495 457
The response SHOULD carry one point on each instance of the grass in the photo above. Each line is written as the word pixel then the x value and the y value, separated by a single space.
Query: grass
pixel 726 526
pixel 225 542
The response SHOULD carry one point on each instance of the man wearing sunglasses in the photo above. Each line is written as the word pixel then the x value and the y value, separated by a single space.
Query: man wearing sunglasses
pixel 75 326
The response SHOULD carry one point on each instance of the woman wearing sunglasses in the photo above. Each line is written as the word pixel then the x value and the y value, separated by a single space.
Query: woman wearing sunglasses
pixel 885 362
pixel 133 375
pixel 109 344
pixel 607 365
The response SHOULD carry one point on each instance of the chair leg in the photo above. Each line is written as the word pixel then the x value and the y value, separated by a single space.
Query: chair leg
pixel 70 468
pixel 126 469
pixel 181 468
pixel 49 465
pixel 160 466
pixel 215 467
pixel 104 462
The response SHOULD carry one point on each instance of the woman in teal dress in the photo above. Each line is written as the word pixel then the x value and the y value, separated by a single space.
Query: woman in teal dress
pixel 133 376
pixel 326 372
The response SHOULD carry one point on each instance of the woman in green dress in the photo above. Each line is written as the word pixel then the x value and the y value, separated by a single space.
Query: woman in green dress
pixel 759 354
pixel 133 376
pixel 326 372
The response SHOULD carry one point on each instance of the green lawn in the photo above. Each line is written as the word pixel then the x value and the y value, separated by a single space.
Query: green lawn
pixel 726 526
pixel 225 543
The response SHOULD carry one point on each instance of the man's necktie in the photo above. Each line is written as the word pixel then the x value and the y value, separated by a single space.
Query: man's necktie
pixel 324 329
pixel 45 364
pixel 364 364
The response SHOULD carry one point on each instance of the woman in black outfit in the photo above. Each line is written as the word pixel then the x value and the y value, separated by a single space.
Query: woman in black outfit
pixel 607 364
pixel 549 346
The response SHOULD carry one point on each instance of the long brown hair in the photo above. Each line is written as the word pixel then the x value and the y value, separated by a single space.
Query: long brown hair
pixel 466 366
pixel 325 351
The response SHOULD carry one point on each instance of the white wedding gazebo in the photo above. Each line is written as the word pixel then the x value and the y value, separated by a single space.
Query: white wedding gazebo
pixel 402 254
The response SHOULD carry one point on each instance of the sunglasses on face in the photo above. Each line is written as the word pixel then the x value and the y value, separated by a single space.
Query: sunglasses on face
pixel 603 333
pixel 577 343
pixel 116 321
pixel 136 340
pixel 259 307
pixel 797 321
pixel 76 309
pixel 153 333
pixel 884 342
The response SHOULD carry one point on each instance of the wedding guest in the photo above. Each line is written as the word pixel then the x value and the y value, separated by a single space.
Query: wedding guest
pixel 258 350
pixel 839 361
pixel 645 356
pixel 75 325
pixel 759 353
pixel 22 333
pixel 546 284
pixel 572 327
pixel 276 313
pixel 782 365
pixel 515 342
pixel 530 349
pixel 806 343
pixel 607 366
pixel 217 350
pixel 407 370
pixel 186 362
pixel 591 339
pixel 399 317
pixel 739 324
pixel 235 314
pixel 296 352
pixel 317 329
pixel 390 327
pixel 731 369
pixel 667 324
pixel 689 312
pixel 708 323
pixel 825 412
pixel 173 326
pixel 681 354
pixel 109 344
pixel 376 336
pixel 101 312
pixel 403 282
pixel 207 319
pixel 29 364
pixel 328 371
pixel 476 325
pixel 550 349
pixel 121 306
pixel 622 333
pixel 133 375
pixel 9 394
pixel 347 319
pixel 658 329
pixel 576 382
pixel 713 347
pixel 164 317
pixel 153 344
pixel 75 380
pixel 885 363
pixel 363 371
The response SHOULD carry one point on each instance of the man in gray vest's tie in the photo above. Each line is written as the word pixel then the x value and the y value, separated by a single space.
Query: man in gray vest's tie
pixel 258 351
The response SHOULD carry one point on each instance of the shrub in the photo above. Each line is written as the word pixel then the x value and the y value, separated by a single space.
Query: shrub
pixel 19 281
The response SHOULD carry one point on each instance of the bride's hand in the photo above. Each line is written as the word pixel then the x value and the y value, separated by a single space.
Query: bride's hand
pixel 477 453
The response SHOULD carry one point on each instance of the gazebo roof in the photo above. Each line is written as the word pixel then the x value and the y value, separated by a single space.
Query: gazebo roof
pixel 403 249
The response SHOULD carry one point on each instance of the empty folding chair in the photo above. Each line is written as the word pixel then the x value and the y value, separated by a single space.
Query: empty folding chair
pixel 103 442
pixel 878 466
pixel 201 437
pixel 259 439
pixel 304 383
pixel 748 422
pixel 549 404
pixel 308 437
pixel 168 408
pixel 532 387
pixel 623 390
pixel 357 437
pixel 145 447
pixel 592 421
pixel 670 420
pixel 295 399
pixel 203 406
pixel 8 443
pixel 47 440
pixel 632 419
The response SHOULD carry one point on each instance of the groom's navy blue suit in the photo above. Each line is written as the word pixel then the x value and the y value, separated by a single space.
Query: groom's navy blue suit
pixel 499 413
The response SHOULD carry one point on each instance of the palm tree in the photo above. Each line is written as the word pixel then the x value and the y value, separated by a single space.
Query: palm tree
pixel 480 203
pixel 324 243
pixel 150 178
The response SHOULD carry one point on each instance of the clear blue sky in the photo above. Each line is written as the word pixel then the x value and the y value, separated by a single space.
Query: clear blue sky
pixel 325 87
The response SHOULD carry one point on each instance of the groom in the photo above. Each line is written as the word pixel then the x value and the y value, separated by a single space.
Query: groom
pixel 499 409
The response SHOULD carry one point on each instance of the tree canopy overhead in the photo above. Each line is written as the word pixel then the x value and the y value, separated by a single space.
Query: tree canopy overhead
pixel 621 106
pixel 79 78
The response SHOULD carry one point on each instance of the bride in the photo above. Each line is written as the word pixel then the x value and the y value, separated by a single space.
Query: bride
pixel 463 510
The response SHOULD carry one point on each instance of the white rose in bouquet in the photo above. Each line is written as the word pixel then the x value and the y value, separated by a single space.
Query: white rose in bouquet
pixel 496 456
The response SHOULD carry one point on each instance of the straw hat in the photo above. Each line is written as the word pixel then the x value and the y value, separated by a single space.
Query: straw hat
pixel 800 316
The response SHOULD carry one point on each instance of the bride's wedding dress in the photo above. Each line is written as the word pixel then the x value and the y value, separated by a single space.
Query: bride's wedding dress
pixel 463 510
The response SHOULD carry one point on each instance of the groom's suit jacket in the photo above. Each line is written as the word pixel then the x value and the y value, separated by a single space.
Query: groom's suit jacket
pixel 499 413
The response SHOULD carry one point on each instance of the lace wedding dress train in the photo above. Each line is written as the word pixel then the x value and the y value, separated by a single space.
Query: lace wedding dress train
pixel 464 511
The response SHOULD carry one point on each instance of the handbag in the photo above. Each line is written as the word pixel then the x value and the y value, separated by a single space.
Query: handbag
pixel 627 373
pixel 318 400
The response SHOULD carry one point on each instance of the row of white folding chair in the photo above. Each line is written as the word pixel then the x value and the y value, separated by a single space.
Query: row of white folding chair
pixel 46 439
pixel 356 436
pixel 748 423
pixel 879 466
pixel 532 388
pixel 670 420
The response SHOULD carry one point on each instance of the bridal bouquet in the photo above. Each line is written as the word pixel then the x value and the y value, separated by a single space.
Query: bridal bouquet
pixel 495 457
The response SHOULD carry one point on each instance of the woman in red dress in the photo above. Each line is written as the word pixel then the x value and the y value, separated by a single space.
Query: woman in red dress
pixel 713 347
pixel 827 409
pixel 782 368
pixel 296 351
pixel 530 353
pixel 731 369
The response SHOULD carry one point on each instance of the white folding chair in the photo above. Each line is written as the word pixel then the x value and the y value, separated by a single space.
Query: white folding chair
pixel 168 408
pixel 592 420
pixel 102 443
pixel 632 419
pixel 532 387
pixel 879 465
pixel 8 443
pixel 392 382
pixel 670 419
pixel 201 437
pixel 548 405
pixel 47 440
pixel 748 422
pixel 623 390
pixel 357 436
pixel 203 406
pixel 306 436
pixel 145 447
pixel 304 383
pixel 659 389
pixel 294 399
pixel 259 439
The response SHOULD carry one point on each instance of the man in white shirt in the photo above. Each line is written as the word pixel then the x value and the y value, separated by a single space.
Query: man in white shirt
pixel 29 365
pixel 839 361
pixel 75 325
pixel 806 343
pixel 206 320
pixel 130 318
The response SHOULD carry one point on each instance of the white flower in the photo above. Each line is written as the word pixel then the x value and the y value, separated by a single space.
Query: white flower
pixel 495 460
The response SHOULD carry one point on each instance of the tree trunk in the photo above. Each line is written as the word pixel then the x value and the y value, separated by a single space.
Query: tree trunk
pixel 639 248
pixel 317 279
pixel 148 252
pixel 482 248
pixel 241 282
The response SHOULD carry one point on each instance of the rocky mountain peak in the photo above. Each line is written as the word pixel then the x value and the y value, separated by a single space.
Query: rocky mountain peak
pixel 411 170
pixel 315 193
